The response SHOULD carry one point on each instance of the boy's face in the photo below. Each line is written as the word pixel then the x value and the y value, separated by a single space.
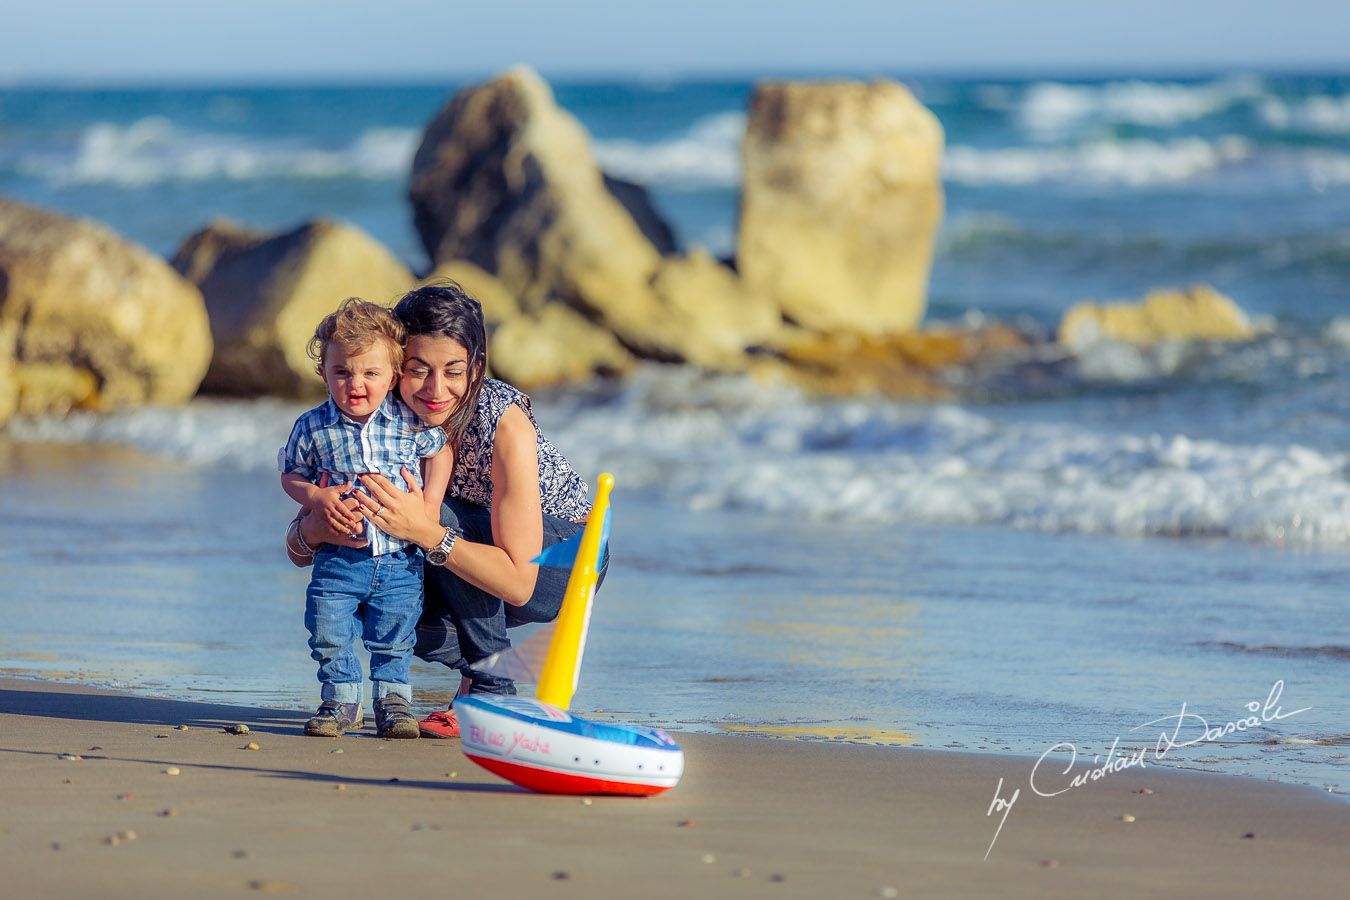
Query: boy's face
pixel 358 382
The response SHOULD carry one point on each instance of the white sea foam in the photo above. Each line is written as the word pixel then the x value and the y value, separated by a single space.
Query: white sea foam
pixel 1132 163
pixel 154 150
pixel 1051 106
pixel 728 443
pixel 707 155
pixel 1320 114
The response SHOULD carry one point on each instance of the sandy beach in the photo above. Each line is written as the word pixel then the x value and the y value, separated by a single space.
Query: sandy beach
pixel 753 817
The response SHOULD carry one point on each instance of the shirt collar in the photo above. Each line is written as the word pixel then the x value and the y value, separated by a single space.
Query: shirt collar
pixel 332 415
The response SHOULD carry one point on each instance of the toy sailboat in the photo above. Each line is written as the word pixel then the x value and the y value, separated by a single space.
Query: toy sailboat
pixel 537 743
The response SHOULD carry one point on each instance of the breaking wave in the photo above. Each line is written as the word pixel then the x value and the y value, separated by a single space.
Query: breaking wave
pixel 728 443
pixel 707 155
pixel 153 150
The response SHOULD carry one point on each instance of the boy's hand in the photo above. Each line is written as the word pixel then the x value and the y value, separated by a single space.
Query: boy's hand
pixel 336 509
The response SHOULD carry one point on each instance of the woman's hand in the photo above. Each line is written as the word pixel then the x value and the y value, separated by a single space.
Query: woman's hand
pixel 400 514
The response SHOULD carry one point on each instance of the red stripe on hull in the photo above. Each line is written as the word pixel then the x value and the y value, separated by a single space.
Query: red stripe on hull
pixel 549 782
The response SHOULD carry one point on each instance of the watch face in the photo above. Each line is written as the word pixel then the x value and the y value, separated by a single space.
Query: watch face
pixel 437 556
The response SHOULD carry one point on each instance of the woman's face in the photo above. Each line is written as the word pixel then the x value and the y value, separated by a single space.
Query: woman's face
pixel 435 376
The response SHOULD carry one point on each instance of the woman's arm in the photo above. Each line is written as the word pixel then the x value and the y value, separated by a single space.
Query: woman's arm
pixel 306 533
pixel 502 568
pixel 436 472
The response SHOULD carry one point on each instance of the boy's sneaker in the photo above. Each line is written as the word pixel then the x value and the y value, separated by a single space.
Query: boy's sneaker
pixel 442 724
pixel 393 717
pixel 333 718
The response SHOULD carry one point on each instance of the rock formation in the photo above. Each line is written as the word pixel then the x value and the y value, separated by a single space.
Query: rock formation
pixel 266 293
pixel 90 320
pixel 1198 314
pixel 506 180
pixel 840 204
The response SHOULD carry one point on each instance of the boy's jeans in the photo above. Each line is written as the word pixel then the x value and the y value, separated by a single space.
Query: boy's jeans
pixel 377 598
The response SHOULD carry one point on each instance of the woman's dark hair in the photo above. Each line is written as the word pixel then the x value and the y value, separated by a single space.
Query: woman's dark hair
pixel 444 309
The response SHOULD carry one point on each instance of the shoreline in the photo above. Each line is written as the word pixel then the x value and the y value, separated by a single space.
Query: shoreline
pixel 751 818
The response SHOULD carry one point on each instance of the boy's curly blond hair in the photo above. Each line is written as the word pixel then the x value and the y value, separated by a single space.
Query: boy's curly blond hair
pixel 356 326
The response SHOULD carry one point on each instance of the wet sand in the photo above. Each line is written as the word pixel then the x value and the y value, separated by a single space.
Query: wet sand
pixel 753 817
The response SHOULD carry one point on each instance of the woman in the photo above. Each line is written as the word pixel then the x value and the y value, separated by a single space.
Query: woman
pixel 512 494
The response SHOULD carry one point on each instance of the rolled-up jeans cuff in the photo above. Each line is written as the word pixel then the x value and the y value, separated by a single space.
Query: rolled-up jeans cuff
pixel 385 688
pixel 342 692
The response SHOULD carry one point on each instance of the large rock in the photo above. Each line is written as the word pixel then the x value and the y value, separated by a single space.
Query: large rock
pixel 266 293
pixel 1198 314
pixel 554 346
pixel 918 365
pixel 88 319
pixel 840 204
pixel 708 316
pixel 506 180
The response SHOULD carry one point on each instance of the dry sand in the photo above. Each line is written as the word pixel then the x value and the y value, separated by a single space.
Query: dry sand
pixel 753 817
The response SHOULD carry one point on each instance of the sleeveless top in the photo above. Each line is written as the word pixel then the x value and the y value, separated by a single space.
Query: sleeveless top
pixel 561 489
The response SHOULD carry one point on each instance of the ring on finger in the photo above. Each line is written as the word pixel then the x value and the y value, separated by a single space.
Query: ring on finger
pixel 379 509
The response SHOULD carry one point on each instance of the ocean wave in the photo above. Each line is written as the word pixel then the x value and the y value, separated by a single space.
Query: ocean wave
pixel 705 156
pixel 1132 163
pixel 1051 106
pixel 1318 114
pixel 728 443
pixel 153 150
pixel 1327 651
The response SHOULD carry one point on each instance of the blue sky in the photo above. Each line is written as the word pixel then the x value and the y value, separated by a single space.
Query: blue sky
pixel 308 40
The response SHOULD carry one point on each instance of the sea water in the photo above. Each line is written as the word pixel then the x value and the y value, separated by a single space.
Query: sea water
pixel 1070 548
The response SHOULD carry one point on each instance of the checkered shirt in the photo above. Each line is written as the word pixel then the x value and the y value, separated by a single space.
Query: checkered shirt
pixel 325 440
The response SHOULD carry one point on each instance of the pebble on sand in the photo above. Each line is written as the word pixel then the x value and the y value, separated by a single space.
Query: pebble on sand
pixel 777 877
pixel 685 823
pixel 560 875
pixel 161 736
pixel 1249 835
pixel 887 890
pixel 742 872
pixel 1127 818
pixel 168 813
pixel 171 770
pixel 271 887
pixel 709 858
pixel 71 756
pixel 252 745
pixel 237 729
pixel 339 787
pixel 1050 863
pixel 180 728
pixel 586 801
pixel 125 796
pixel 338 750
pixel 1144 791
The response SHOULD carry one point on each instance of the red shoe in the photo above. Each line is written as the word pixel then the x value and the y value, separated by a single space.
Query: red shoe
pixel 440 725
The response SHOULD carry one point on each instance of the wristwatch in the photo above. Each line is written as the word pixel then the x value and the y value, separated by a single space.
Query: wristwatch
pixel 439 554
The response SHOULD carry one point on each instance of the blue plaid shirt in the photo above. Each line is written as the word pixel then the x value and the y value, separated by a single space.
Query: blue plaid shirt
pixel 324 440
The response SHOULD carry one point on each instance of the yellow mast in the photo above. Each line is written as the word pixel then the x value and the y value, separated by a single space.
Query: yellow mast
pixel 558 681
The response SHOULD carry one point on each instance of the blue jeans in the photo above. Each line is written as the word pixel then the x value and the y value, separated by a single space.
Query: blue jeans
pixel 376 598
pixel 462 624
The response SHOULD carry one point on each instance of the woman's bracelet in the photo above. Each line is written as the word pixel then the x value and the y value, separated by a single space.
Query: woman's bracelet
pixel 294 529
